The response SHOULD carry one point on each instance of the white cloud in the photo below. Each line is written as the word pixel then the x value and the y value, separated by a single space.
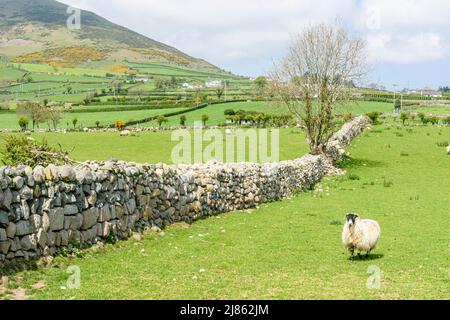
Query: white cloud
pixel 234 33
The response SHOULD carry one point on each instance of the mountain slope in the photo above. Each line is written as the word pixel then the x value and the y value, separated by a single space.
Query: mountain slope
pixel 39 27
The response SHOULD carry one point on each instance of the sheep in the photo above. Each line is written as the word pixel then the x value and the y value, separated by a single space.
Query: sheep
pixel 361 235
pixel 448 150
pixel 125 133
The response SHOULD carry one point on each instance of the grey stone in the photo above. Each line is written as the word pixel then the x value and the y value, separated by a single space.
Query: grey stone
pixel 56 219
pixel 24 228
pixel 70 210
pixel 67 173
pixel 3 235
pixel 28 242
pixel 90 218
pixel 11 230
pixel 6 198
pixel 18 182
pixel 5 246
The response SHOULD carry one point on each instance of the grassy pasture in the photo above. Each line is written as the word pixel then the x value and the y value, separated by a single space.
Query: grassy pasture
pixel 292 249
pixel 88 119
pixel 146 147
pixel 216 112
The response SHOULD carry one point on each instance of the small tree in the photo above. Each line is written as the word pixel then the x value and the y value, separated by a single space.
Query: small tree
pixel 161 120
pixel 55 114
pixel 74 122
pixel 220 91
pixel 183 120
pixel 422 118
pixel 260 86
pixel 404 117
pixel 97 124
pixel 205 119
pixel 35 112
pixel 373 116
pixel 23 123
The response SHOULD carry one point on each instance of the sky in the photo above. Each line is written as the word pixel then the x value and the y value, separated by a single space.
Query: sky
pixel 408 41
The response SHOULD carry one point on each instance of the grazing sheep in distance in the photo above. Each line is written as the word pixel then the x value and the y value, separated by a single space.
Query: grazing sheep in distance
pixel 125 133
pixel 448 150
pixel 360 235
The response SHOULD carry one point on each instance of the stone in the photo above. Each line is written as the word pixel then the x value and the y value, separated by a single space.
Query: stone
pixel 5 246
pixel 23 228
pixel 104 214
pixel 56 219
pixel 28 242
pixel 45 221
pixel 6 198
pixel 3 235
pixel 18 182
pixel 51 172
pixel 36 221
pixel 90 218
pixel 41 237
pixel 67 173
pixel 4 220
pixel 11 230
pixel 70 210
pixel 39 174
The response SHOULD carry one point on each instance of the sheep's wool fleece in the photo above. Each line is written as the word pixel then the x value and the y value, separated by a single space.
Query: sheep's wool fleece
pixel 364 237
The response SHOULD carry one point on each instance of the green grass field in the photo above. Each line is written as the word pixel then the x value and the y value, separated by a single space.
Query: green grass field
pixel 88 119
pixel 442 110
pixel 292 249
pixel 146 147
pixel 216 112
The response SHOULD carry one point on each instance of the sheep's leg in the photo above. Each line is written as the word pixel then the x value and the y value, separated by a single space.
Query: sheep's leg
pixel 352 253
pixel 368 253
pixel 359 254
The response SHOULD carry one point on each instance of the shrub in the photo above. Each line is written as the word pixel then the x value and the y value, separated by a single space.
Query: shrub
pixel 432 120
pixel 120 124
pixel 23 123
pixel 230 112
pixel 404 116
pixel 183 120
pixel 25 151
pixel 374 116
pixel 161 120
pixel 422 117
pixel 347 117
pixel 353 177
pixel 447 120
pixel 205 119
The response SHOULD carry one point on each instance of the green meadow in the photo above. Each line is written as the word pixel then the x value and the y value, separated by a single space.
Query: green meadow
pixel 290 249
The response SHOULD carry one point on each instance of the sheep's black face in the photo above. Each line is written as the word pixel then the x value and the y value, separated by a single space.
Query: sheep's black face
pixel 351 218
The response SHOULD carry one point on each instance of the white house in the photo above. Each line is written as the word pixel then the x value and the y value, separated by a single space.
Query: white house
pixel 213 84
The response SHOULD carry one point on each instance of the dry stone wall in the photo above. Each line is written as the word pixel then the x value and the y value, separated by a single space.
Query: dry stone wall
pixel 45 210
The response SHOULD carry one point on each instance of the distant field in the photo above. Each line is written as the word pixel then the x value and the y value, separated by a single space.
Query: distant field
pixel 216 112
pixel 88 119
pixel 146 147
pixel 434 110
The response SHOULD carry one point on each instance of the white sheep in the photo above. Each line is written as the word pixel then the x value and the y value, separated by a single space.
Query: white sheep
pixel 360 235
pixel 448 150
pixel 125 133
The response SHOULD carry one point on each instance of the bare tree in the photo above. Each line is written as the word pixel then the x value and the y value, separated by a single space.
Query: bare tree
pixel 55 114
pixel 33 111
pixel 315 77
